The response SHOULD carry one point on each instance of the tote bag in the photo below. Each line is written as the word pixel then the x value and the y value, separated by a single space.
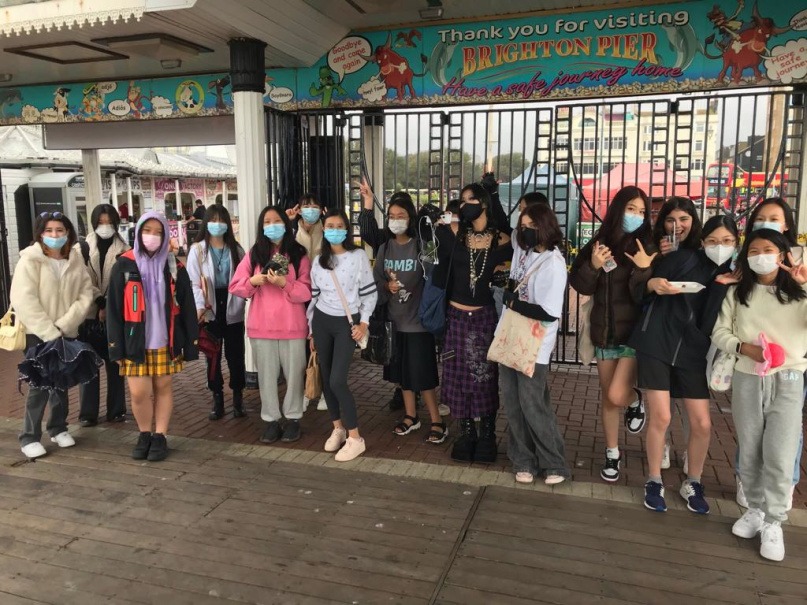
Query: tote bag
pixel 12 332
pixel 313 378
pixel 585 347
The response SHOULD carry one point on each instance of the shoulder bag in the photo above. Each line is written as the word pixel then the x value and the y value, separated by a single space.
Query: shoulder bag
pixel 363 342
pixel 12 332
pixel 381 344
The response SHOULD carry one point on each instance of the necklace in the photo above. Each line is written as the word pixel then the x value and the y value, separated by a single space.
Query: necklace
pixel 474 276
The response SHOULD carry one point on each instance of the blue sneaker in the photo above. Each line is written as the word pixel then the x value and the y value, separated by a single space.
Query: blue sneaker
pixel 692 492
pixel 654 497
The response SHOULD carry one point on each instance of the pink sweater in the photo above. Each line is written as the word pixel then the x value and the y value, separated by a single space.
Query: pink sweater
pixel 275 313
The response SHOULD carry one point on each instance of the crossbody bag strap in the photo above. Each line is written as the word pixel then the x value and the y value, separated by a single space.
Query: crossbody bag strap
pixel 342 297
pixel 532 270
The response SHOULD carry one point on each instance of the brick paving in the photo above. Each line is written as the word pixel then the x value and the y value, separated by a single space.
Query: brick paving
pixel 574 390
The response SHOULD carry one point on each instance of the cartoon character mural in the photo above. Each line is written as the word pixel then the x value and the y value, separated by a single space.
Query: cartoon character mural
pixel 218 87
pixel 328 86
pixel 60 103
pixel 394 69
pixel 92 105
pixel 186 99
pixel 135 100
pixel 743 47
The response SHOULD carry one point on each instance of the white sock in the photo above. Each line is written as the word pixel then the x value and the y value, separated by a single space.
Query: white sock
pixel 612 452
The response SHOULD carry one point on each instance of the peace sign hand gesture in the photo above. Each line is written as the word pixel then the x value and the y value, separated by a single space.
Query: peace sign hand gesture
pixel 642 259
pixel 798 271
pixel 366 194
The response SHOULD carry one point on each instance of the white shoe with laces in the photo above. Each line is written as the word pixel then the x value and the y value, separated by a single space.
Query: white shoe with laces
pixel 352 449
pixel 772 542
pixel 335 441
pixel 665 459
pixel 750 524
pixel 63 439
pixel 34 450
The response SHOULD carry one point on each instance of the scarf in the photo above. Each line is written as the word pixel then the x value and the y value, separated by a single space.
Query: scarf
pixel 312 242
pixel 152 273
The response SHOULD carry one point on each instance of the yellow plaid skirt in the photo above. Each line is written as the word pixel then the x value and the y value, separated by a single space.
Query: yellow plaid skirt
pixel 158 363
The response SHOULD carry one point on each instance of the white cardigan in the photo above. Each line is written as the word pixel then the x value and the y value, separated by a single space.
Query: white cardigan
pixel 198 258
pixel 49 307
pixel 100 279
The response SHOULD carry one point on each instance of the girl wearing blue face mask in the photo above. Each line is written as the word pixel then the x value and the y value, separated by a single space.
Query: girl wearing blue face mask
pixel 613 268
pixel 211 264
pixel 51 293
pixel 308 213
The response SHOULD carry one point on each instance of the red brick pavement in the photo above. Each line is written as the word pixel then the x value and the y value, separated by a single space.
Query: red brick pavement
pixel 574 390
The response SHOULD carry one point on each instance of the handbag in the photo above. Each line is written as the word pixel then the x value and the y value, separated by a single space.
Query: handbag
pixel 313 378
pixel 93 332
pixel 204 285
pixel 12 332
pixel 382 342
pixel 585 346
pixel 720 369
pixel 434 302
pixel 364 339
pixel 518 338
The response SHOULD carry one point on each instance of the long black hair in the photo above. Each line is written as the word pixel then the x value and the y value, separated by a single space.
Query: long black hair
pixel 787 289
pixel 693 240
pixel 405 202
pixel 217 213
pixel 790 221
pixel 611 232
pixel 264 248
pixel 113 214
pixel 326 255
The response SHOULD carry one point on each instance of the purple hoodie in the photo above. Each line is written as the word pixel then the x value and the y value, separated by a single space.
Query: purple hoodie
pixel 152 272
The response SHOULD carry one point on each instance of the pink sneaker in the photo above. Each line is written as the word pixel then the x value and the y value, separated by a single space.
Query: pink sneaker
pixel 336 440
pixel 352 449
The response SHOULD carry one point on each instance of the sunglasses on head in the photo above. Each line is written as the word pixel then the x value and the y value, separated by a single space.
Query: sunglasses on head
pixel 53 215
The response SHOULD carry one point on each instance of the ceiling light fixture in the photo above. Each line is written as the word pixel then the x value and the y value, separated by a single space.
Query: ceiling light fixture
pixel 171 63
pixel 434 10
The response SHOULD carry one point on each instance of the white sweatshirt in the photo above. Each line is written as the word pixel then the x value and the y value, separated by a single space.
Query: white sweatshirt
pixel 355 275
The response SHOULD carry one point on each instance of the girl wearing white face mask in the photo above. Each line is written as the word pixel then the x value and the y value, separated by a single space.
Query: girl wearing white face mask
pixel 771 301
pixel 99 250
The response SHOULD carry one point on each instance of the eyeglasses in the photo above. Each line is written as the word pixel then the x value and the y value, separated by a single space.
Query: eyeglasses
pixel 728 241
pixel 54 215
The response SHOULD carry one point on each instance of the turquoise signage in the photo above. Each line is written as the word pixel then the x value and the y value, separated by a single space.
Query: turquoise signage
pixel 655 49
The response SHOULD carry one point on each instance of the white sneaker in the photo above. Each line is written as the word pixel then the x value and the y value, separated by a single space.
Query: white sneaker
pixel 34 450
pixel 322 406
pixel 554 479
pixel 665 459
pixel 741 499
pixel 524 477
pixel 686 463
pixel 336 440
pixel 352 449
pixel 63 440
pixel 444 410
pixel 772 543
pixel 750 524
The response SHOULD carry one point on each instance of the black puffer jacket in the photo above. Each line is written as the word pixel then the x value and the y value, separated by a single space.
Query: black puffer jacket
pixel 617 296
pixel 676 329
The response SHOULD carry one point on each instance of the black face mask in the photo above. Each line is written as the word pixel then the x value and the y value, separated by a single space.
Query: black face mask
pixel 530 238
pixel 470 212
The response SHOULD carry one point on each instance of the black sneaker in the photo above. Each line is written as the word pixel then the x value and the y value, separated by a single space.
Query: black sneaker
pixel 654 497
pixel 272 432
pixel 159 448
pixel 397 402
pixel 610 472
pixel 141 450
pixel 635 417
pixel 693 493
pixel 291 431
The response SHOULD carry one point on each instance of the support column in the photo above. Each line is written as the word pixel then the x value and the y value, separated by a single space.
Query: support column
pixel 113 189
pixel 247 73
pixel 373 142
pixel 224 194
pixel 93 192
pixel 129 201
pixel 800 104
pixel 178 210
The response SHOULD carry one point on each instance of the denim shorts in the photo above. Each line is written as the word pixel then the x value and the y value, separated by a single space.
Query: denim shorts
pixel 611 353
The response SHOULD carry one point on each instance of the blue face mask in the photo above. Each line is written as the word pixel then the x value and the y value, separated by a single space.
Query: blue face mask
pixel 335 236
pixel 217 229
pixel 631 222
pixel 310 215
pixel 767 225
pixel 274 232
pixel 54 243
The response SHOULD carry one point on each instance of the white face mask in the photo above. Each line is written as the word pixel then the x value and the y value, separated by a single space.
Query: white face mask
pixel 105 231
pixel 719 254
pixel 398 226
pixel 763 264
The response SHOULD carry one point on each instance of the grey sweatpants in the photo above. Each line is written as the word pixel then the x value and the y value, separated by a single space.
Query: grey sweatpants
pixel 270 357
pixel 35 404
pixel 767 417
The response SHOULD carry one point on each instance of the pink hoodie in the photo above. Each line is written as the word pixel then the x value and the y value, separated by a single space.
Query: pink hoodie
pixel 275 313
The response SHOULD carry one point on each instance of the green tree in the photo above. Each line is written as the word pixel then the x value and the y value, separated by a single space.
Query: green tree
pixel 509 166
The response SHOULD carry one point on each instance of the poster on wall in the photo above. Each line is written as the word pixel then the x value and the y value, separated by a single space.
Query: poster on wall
pixel 653 49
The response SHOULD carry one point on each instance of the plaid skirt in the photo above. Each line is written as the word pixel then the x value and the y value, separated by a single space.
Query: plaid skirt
pixel 158 363
pixel 470 385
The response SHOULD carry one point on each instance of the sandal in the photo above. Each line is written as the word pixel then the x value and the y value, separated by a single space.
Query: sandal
pixel 437 437
pixel 404 429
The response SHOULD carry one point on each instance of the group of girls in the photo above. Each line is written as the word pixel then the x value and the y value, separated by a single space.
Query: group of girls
pixel 663 296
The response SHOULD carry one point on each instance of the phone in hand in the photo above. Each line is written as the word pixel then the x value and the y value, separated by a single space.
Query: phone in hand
pixel 274 266
pixel 609 265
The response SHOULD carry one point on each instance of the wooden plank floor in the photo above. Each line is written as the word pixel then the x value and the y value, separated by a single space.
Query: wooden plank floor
pixel 90 525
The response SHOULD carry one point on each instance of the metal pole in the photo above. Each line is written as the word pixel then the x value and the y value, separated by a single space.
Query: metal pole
pixel 93 190
pixel 129 201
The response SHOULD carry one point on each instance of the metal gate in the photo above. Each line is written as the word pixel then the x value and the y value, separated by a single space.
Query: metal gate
pixel 725 151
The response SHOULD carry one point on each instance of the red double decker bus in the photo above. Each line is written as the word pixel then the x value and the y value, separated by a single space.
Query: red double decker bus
pixel 730 187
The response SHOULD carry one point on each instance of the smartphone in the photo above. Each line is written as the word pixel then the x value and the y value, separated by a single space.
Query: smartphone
pixel 446 217
pixel 274 266
pixel 609 265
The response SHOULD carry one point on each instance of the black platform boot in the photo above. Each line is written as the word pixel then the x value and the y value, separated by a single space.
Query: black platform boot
pixel 218 407
pixel 238 405
pixel 486 446
pixel 465 444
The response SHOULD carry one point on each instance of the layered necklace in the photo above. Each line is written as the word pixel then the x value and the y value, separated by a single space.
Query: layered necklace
pixel 474 256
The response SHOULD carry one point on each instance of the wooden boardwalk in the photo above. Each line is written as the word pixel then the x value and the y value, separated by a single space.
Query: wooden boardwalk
pixel 89 525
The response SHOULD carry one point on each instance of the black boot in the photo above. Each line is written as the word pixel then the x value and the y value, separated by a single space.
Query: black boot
pixel 465 444
pixel 217 413
pixel 238 405
pixel 486 446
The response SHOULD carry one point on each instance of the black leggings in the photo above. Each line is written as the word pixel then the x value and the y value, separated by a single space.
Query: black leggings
pixel 335 348
pixel 233 346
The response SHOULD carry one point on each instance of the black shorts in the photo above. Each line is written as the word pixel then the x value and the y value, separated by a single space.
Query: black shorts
pixel 415 364
pixel 657 375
